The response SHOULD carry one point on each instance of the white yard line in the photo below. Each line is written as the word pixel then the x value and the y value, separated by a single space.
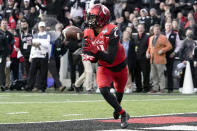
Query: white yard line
pixel 73 115
pixel 90 101
pixel 15 113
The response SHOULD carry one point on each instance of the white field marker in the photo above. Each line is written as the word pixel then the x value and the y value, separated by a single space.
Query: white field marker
pixel 73 115
pixel 15 113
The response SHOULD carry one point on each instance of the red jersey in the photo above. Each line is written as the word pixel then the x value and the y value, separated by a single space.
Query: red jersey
pixel 108 32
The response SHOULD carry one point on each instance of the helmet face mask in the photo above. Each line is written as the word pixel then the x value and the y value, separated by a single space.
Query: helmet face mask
pixel 91 20
pixel 98 16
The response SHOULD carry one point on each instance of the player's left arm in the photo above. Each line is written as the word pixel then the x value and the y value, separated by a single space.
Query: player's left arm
pixel 110 54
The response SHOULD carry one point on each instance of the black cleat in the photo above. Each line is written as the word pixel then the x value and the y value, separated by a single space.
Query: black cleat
pixel 2 88
pixel 124 118
pixel 77 89
pixel 116 115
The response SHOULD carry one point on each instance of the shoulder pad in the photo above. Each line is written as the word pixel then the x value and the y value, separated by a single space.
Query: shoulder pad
pixel 115 33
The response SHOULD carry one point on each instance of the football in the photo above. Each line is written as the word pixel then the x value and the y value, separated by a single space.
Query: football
pixel 73 33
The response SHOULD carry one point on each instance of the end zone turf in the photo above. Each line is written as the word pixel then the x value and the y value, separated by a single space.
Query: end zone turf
pixel 179 122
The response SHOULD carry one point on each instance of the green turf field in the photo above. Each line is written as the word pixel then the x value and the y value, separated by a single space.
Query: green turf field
pixel 40 107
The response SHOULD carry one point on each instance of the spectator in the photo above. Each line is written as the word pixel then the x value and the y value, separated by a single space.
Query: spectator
pixel 26 44
pixel 192 25
pixel 33 17
pixel 153 17
pixel 163 15
pixel 118 9
pixel 135 24
pixel 126 42
pixel 195 10
pixel 181 19
pixel 87 76
pixel 161 9
pixel 186 54
pixel 39 58
pixel 76 8
pixel 174 39
pixel 142 64
pixel 125 20
pixel 189 17
pixel 73 65
pixel 52 7
pixel 158 46
pixel 64 17
pixel 6 42
pixel 8 9
pixel 58 50
pixel 14 67
pixel 26 7
pixel 144 19
pixel 136 12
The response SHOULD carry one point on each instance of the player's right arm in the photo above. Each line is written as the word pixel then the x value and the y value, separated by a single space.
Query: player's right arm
pixel 110 54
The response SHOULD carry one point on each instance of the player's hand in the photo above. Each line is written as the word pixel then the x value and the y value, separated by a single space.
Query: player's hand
pixel 89 47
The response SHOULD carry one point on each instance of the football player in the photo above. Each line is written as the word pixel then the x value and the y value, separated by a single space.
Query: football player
pixel 109 52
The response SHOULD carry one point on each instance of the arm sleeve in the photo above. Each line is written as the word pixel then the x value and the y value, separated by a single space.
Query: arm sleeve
pixel 109 55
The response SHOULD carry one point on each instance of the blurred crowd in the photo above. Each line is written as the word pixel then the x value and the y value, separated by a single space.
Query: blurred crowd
pixel 32 43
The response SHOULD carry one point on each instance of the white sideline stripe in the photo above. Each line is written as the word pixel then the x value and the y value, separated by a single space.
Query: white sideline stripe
pixel 91 101
pixel 14 113
pixel 73 115
pixel 118 130
pixel 91 119
pixel 173 128
pixel 47 94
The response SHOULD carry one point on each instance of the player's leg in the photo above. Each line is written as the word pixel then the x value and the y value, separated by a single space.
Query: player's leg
pixel 104 80
pixel 120 80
